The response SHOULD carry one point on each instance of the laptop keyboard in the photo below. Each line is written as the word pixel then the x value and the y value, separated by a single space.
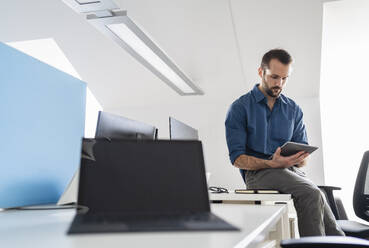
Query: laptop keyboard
pixel 90 223
pixel 144 218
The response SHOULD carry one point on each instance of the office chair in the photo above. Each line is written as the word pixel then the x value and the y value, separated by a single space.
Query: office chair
pixel 360 202
pixel 351 228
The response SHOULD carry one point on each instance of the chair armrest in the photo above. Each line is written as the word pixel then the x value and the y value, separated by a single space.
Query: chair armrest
pixel 341 209
pixel 328 191
pixel 325 242
pixel 324 187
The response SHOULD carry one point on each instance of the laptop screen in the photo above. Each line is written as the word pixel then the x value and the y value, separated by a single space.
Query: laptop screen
pixel 123 176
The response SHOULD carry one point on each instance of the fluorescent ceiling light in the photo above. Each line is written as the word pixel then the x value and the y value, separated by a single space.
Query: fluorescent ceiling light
pixel 86 6
pixel 119 27
pixel 129 37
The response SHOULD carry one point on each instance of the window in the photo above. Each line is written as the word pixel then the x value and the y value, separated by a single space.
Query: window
pixel 344 94
pixel 48 51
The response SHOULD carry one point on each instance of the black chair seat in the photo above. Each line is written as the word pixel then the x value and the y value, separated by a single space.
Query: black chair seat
pixel 325 242
pixel 353 228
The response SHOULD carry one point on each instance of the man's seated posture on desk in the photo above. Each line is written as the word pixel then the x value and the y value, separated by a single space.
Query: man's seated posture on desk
pixel 257 124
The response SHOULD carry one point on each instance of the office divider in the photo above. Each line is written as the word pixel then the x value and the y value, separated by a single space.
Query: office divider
pixel 42 115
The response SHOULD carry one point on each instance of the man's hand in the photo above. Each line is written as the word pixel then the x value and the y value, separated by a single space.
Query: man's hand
pixel 279 161
pixel 303 163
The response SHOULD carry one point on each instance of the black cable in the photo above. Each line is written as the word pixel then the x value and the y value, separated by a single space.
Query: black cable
pixel 218 190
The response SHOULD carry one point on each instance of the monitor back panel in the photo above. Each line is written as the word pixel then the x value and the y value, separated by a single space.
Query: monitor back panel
pixel 180 131
pixel 115 126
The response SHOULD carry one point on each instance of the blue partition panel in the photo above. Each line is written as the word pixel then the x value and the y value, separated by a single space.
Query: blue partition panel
pixel 42 113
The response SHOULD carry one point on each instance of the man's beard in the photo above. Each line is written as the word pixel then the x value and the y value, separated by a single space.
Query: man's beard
pixel 271 91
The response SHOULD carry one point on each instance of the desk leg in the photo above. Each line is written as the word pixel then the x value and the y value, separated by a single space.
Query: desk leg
pixel 292 220
pixel 286 232
pixel 282 229
pixel 294 227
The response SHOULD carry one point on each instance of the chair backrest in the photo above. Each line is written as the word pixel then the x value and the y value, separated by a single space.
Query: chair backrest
pixel 361 190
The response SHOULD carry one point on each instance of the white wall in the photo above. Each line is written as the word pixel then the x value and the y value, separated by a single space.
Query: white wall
pixel 200 38
pixel 344 93
pixel 293 25
pixel 219 44
pixel 314 168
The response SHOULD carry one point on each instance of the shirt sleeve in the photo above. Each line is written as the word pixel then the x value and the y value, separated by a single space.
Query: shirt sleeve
pixel 235 127
pixel 299 131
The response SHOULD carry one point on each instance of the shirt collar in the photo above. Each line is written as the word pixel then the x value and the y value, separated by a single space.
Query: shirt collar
pixel 283 100
pixel 259 96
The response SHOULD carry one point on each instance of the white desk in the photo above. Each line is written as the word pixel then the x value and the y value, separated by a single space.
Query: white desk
pixel 47 228
pixel 231 196
pixel 268 199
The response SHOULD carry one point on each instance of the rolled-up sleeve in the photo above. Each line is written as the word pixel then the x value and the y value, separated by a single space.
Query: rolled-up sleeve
pixel 235 126
pixel 299 131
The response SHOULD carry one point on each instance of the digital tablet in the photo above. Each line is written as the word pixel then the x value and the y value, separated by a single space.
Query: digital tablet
pixel 291 148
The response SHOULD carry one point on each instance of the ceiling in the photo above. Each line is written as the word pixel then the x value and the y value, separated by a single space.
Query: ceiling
pixel 216 43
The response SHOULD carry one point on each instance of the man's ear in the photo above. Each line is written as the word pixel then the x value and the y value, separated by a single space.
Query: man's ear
pixel 260 72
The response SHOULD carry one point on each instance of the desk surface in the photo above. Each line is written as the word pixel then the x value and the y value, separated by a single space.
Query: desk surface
pixel 231 196
pixel 47 228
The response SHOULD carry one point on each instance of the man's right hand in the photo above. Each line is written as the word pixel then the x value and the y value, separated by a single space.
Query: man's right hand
pixel 279 161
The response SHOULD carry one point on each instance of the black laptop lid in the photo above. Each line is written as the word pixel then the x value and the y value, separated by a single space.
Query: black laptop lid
pixel 122 176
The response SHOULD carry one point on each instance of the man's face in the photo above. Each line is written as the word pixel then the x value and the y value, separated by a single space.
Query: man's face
pixel 274 78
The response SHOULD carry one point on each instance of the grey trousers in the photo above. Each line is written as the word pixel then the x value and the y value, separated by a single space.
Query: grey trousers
pixel 315 218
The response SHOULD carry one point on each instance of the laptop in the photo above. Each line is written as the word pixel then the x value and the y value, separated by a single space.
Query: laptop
pixel 144 186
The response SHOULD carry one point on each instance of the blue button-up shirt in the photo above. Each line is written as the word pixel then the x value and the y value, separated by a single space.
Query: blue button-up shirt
pixel 253 129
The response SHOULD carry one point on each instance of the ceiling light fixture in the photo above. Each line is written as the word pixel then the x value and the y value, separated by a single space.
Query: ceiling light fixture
pixel 119 27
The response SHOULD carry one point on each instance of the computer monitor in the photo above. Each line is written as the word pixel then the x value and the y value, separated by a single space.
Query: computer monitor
pixel 114 126
pixel 180 131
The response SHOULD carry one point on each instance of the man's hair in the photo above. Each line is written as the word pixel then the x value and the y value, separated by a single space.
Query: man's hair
pixel 281 55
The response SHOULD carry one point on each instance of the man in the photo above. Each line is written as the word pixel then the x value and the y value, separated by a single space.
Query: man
pixel 257 124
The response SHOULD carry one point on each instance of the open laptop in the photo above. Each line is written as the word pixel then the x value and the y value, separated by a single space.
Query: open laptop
pixel 135 186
